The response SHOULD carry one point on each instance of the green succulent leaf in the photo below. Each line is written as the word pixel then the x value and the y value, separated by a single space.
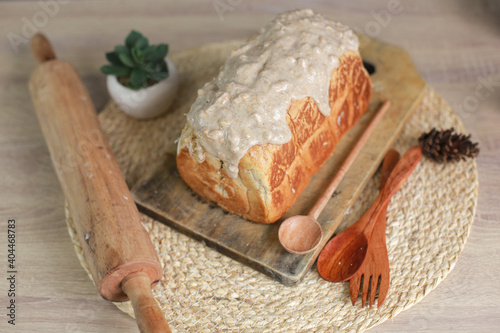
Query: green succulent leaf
pixel 132 38
pixel 157 54
pixel 113 58
pixel 126 60
pixel 159 76
pixel 141 43
pixel 115 70
pixel 138 79
pixel 137 55
pixel 164 46
pixel 162 67
pixel 149 52
pixel 161 51
pixel 122 49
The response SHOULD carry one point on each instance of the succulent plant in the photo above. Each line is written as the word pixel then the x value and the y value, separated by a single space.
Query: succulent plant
pixel 137 64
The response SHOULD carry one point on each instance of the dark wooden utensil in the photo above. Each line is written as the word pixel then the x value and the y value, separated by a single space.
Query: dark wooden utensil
pixel 121 257
pixel 344 254
pixel 375 268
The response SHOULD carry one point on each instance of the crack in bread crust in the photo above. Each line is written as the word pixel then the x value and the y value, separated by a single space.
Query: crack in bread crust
pixel 271 177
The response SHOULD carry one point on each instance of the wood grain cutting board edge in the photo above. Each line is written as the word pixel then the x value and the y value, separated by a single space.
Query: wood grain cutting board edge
pixel 164 196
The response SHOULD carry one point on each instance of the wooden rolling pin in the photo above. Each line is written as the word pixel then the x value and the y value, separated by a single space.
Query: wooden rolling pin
pixel 117 247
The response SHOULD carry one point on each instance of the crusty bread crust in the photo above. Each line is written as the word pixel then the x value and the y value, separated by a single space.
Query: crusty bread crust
pixel 271 177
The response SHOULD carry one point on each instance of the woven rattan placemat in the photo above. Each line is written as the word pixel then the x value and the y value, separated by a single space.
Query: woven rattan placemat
pixel 428 223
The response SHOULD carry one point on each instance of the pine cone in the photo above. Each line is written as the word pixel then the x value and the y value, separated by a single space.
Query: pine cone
pixel 445 146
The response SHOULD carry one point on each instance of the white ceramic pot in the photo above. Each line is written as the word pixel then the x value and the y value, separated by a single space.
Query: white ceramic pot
pixel 148 102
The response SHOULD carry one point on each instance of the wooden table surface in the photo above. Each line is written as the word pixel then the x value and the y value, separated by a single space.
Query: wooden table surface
pixel 455 45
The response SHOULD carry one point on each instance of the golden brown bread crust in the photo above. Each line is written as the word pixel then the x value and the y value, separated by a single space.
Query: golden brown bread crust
pixel 271 177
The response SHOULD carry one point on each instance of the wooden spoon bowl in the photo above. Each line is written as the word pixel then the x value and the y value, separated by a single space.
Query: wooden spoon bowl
pixel 300 234
pixel 344 254
pixel 340 260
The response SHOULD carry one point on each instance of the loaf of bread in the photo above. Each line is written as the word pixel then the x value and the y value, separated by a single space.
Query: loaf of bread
pixel 264 126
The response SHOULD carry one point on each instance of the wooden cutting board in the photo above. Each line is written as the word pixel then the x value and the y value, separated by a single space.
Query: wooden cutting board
pixel 146 153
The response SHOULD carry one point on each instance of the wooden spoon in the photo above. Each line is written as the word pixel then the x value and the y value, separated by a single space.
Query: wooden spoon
pixel 302 234
pixel 344 254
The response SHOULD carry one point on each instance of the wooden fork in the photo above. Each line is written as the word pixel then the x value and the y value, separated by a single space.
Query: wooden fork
pixel 376 264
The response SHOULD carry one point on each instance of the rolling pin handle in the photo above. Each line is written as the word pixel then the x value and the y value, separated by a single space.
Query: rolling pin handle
pixel 42 49
pixel 148 314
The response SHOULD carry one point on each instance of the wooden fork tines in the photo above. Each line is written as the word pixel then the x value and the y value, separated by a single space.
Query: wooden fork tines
pixel 374 272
